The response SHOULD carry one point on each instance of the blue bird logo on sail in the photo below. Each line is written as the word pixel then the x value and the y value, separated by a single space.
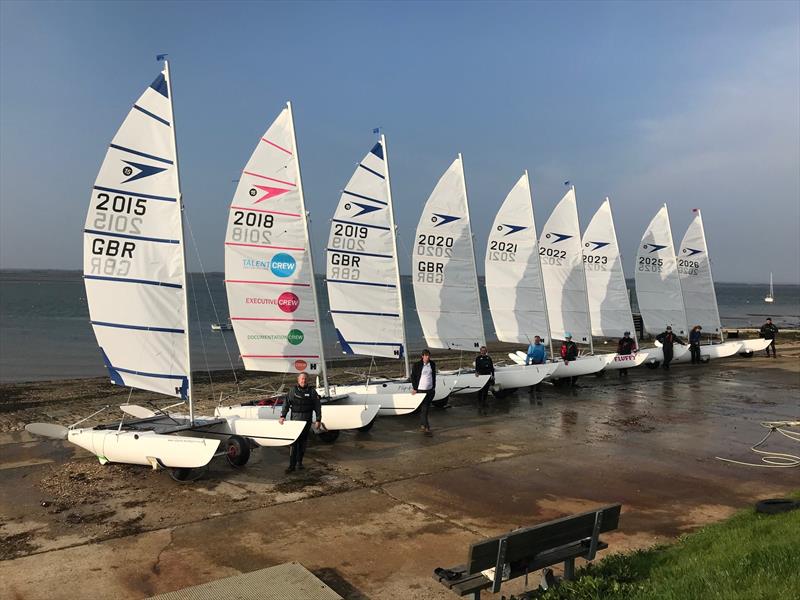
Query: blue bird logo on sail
pixel 511 228
pixel 653 247
pixel 561 236
pixel 144 170
pixel 597 245
pixel 692 251
pixel 440 219
pixel 365 208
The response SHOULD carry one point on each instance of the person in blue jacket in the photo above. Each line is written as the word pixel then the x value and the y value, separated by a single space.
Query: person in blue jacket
pixel 537 352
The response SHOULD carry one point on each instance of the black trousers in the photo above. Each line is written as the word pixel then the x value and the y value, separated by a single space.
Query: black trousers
pixel 695 350
pixel 772 345
pixel 483 394
pixel 298 448
pixel 667 356
pixel 425 408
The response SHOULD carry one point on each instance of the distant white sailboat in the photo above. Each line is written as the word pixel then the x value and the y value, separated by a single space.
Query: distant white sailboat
pixel 135 276
pixel 770 298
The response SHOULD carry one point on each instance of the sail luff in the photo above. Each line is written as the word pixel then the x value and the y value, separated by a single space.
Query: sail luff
pixel 585 280
pixel 304 214
pixel 472 249
pixel 541 275
pixel 396 259
pixel 675 258
pixel 713 290
pixel 179 196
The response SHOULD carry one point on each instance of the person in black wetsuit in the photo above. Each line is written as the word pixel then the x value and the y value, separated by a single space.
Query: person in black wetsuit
pixel 625 347
pixel 770 332
pixel 302 400
pixel 695 337
pixel 668 340
pixel 484 366
pixel 423 379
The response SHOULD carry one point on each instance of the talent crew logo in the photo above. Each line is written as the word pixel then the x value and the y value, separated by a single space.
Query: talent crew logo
pixel 287 301
pixel 282 265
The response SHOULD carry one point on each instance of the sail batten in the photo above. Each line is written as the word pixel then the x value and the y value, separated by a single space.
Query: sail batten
pixel 133 236
pixel 443 267
pixel 513 274
pixel 609 304
pixel 561 260
pixel 658 286
pixel 268 268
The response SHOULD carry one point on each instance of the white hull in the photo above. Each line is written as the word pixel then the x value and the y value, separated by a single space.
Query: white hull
pixel 145 447
pixel 656 355
pixel 507 377
pixel 384 387
pixel 710 352
pixel 583 365
pixel 336 417
pixel 754 345
pixel 465 382
pixel 388 405
pixel 623 361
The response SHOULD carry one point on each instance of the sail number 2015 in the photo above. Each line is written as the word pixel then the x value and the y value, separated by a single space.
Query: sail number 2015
pixel 120 214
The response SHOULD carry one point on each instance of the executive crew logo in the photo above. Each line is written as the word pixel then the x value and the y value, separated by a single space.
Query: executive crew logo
pixel 288 302
pixel 282 265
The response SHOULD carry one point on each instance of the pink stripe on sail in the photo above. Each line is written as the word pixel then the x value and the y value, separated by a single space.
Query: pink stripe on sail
pixel 267 282
pixel 267 319
pixel 271 212
pixel 262 246
pixel 276 145
pixel 269 178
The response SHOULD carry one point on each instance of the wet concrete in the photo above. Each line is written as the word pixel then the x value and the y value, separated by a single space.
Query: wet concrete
pixel 376 512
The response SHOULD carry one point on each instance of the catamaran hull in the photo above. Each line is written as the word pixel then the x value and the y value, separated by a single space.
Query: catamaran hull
pixel 390 387
pixel 656 355
pixel 145 447
pixel 388 404
pixel 754 345
pixel 509 377
pixel 710 352
pixel 465 382
pixel 584 365
pixel 623 361
pixel 265 433
pixel 336 417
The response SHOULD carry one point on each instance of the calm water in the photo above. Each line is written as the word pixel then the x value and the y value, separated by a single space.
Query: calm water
pixel 45 331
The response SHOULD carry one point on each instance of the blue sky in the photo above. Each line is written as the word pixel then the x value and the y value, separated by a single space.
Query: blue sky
pixel 692 104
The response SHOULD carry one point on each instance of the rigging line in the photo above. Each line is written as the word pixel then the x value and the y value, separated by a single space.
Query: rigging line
pixel 202 338
pixel 213 304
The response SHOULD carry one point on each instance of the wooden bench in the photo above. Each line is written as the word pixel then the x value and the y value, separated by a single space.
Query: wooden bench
pixel 524 551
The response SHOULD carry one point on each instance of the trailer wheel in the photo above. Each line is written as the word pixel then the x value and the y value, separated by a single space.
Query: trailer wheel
pixel 328 436
pixel 652 365
pixel 237 451
pixel 366 427
pixel 748 354
pixel 186 474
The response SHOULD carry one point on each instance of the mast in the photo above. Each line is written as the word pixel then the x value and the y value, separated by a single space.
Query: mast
pixel 622 271
pixel 179 195
pixel 472 248
pixel 394 251
pixel 680 285
pixel 710 275
pixel 308 248
pixel 585 281
pixel 541 275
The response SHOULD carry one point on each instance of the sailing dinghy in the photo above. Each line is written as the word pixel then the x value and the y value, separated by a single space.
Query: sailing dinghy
pixel 514 286
pixel 607 293
pixel 135 277
pixel 658 286
pixel 770 297
pixel 269 278
pixel 699 296
pixel 561 257
pixel 445 279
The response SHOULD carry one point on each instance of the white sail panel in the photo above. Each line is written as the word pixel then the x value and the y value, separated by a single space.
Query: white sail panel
pixel 133 252
pixel 361 265
pixel 561 257
pixel 513 277
pixel 268 272
pixel 694 268
pixel 658 287
pixel 609 303
pixel 443 268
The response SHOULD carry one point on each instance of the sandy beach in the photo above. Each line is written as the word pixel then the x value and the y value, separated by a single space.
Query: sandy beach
pixel 376 512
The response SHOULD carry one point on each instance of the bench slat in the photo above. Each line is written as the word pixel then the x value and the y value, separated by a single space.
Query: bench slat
pixel 525 544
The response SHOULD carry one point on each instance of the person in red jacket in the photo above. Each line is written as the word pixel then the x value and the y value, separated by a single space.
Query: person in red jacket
pixel 569 352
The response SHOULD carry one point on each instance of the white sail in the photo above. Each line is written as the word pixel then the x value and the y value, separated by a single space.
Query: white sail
pixel 513 273
pixel 443 267
pixel 697 284
pixel 362 274
pixel 268 272
pixel 609 305
pixel 658 286
pixel 561 257
pixel 133 261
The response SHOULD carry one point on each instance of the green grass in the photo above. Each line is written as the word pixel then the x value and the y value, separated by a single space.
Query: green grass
pixel 750 556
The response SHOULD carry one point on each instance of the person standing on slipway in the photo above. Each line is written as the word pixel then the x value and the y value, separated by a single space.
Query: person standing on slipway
pixel 423 379
pixel 302 400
